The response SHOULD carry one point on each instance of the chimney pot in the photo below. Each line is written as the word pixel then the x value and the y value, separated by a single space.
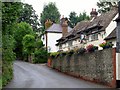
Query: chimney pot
pixel 93 13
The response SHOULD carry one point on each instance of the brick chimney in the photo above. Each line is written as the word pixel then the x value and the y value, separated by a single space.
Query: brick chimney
pixel 64 24
pixel 93 13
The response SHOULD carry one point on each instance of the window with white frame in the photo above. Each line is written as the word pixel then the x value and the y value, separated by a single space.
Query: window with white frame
pixel 94 37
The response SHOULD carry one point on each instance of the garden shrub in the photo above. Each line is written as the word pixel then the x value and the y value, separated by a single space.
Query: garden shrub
pixel 7 59
pixel 40 56
pixel 54 54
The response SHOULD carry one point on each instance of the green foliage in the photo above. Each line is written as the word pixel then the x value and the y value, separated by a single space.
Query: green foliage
pixel 28 43
pixel 106 45
pixel 10 14
pixel 28 15
pixel 7 72
pixel 74 19
pixel 40 56
pixel 20 30
pixel 0 82
pixel 54 54
pixel 51 12
pixel 105 6
pixel 39 43
pixel 8 46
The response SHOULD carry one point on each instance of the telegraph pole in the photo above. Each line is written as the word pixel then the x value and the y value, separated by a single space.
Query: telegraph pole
pixel 118 48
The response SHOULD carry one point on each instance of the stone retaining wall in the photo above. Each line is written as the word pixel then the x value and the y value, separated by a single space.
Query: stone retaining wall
pixel 98 66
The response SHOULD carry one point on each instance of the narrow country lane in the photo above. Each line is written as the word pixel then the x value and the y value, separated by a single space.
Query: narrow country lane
pixel 28 75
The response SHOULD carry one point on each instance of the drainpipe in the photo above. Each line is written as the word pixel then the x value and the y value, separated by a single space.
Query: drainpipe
pixel 118 48
pixel 46 41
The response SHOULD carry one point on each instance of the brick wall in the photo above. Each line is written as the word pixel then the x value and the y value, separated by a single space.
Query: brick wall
pixel 98 66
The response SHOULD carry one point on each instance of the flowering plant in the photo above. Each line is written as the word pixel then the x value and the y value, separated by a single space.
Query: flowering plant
pixel 91 48
pixel 106 45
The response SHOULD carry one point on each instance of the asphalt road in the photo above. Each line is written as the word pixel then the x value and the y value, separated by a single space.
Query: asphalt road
pixel 28 75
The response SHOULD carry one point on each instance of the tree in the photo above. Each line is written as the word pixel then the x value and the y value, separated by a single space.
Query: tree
pixel 20 30
pixel 28 15
pixel 40 52
pixel 39 44
pixel 10 14
pixel 28 45
pixel 51 12
pixel 105 6
pixel 74 19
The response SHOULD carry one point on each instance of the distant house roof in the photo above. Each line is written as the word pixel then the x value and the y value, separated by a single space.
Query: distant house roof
pixel 56 28
pixel 112 35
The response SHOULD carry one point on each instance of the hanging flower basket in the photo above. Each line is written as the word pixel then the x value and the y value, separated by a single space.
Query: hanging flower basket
pixel 91 48
pixel 106 45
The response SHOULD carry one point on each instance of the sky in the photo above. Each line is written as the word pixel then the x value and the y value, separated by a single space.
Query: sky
pixel 64 6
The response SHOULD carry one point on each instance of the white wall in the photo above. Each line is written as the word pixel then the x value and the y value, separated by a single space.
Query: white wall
pixel 118 66
pixel 111 26
pixel 52 37
pixel 101 37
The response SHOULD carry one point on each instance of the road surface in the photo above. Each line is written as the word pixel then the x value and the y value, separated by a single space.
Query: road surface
pixel 28 75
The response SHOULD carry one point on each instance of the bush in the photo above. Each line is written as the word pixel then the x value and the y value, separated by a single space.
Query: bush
pixel 54 54
pixel 40 56
pixel 7 72
pixel 8 56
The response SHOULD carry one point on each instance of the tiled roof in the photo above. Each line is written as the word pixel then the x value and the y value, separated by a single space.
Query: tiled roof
pixel 56 28
pixel 112 35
